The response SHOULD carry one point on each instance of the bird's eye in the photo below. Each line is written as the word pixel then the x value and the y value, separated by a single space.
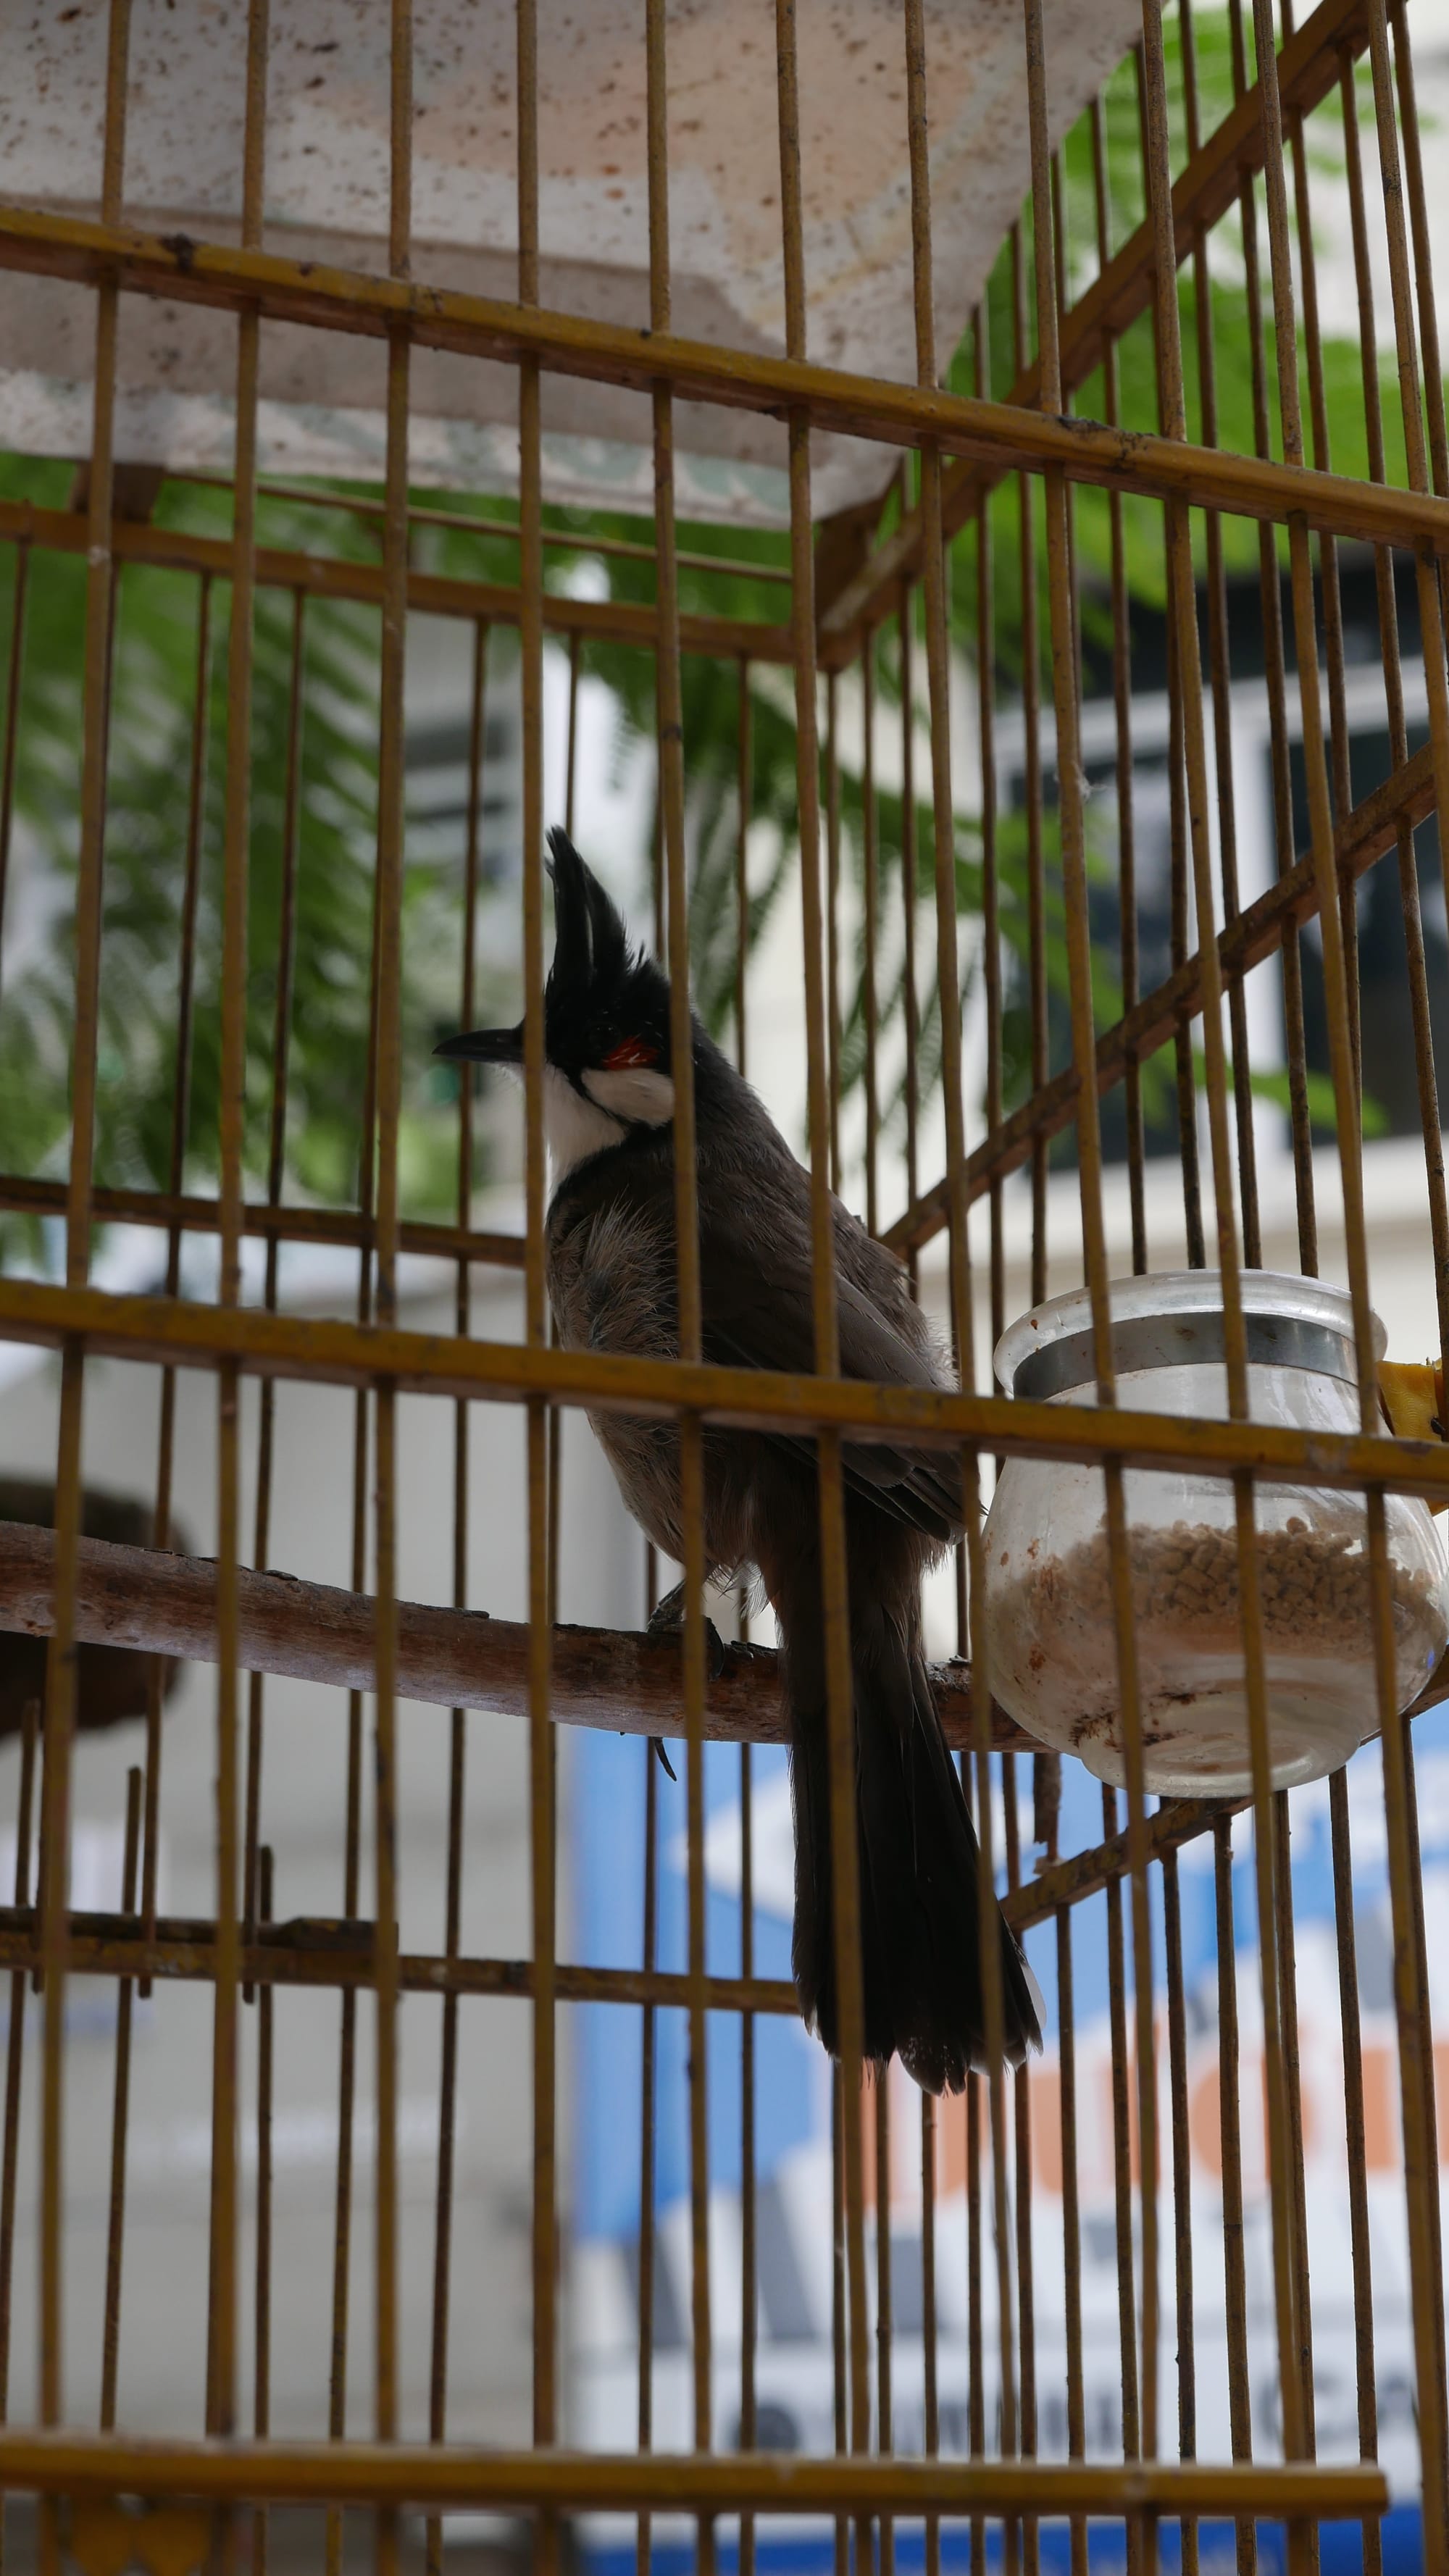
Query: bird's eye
pixel 630 1051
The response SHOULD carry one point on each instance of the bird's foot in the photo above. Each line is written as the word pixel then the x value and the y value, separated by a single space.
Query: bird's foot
pixel 667 1620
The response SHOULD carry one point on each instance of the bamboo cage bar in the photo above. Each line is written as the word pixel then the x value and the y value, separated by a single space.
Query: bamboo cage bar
pixel 413 2473
pixel 865 407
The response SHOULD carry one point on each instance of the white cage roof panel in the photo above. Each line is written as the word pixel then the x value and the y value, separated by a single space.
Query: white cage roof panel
pixel 327 184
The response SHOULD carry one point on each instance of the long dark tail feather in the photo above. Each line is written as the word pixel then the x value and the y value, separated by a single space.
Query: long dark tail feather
pixel 919 1863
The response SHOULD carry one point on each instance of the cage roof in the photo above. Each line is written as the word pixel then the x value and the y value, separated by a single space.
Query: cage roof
pixel 327 193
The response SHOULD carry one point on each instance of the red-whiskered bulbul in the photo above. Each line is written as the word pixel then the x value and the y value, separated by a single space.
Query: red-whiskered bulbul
pixel 608 1111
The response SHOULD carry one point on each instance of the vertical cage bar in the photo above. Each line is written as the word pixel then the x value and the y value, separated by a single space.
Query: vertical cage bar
pixel 686 1230
pixel 879 2097
pixel 1220 677
pixel 1423 249
pixel 1122 2175
pixel 221 2391
pixel 14 676
pixel 458 1720
pixel 744 756
pixel 389 920
pixel 542 1820
pixel 1040 1057
pixel 120 2115
pixel 1181 2192
pixel 1355 2146
pixel 844 1853
pixel 1240 2418
pixel 1021 2139
pixel 1416 2057
pixel 749 2235
pixel 749 2241
pixel 1409 897
pixel 839 2320
pixel 1288 2011
pixel 930 2394
pixel 870 890
pixel 995 1103
pixel 180 1128
pixel 832 915
pixel 1122 735
pixel 262 2276
pixel 53 1891
pixel 1065 684
pixel 648 2104
pixel 1271 610
pixel 910 893
pixel 276 1171
pixel 15 2054
pixel 962 1318
pixel 1071 2221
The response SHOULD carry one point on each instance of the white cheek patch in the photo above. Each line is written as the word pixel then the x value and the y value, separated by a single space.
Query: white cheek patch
pixel 574 1127
pixel 634 1093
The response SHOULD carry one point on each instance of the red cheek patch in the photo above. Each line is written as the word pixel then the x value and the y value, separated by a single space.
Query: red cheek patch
pixel 629 1051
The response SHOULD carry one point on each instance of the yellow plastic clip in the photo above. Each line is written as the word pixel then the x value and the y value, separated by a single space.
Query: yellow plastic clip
pixel 1412 1396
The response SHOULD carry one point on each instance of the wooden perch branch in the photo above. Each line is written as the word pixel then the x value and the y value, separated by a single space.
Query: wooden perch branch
pixel 626 1682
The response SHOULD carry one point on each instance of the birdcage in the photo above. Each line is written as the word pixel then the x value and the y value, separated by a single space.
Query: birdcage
pixel 1079 878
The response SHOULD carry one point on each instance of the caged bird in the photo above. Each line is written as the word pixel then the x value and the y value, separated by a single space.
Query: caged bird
pixel 608 1113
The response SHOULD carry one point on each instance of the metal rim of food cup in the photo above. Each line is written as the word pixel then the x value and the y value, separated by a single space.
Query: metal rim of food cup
pixel 1142 1342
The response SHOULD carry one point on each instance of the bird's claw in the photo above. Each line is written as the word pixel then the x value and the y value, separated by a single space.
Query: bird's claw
pixel 667 1620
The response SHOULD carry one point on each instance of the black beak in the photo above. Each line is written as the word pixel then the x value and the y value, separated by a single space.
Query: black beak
pixel 486 1046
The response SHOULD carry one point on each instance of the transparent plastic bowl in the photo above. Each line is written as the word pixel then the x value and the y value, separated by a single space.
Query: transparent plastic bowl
pixel 1048 1596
